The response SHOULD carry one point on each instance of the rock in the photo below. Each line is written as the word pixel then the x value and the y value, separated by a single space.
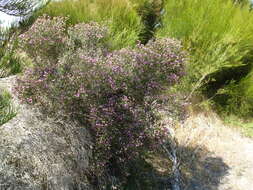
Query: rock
pixel 37 152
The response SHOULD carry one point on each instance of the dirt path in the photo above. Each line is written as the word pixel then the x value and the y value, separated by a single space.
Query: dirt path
pixel 214 156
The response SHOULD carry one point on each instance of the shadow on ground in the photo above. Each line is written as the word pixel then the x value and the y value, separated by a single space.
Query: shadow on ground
pixel 200 170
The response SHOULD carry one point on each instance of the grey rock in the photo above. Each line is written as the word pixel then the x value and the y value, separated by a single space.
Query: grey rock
pixel 38 153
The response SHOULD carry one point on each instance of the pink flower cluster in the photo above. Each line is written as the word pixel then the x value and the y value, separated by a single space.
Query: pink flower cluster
pixel 76 75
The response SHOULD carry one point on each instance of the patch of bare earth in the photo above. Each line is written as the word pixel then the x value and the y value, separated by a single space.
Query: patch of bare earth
pixel 214 156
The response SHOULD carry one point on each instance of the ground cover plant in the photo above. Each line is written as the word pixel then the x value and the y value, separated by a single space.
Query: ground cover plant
pixel 245 125
pixel 115 94
pixel 218 36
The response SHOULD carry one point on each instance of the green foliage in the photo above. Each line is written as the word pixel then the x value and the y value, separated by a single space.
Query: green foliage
pixel 120 15
pixel 219 38
pixel 217 35
pixel 150 12
pixel 6 110
pixel 10 59
pixel 239 97
pixel 245 125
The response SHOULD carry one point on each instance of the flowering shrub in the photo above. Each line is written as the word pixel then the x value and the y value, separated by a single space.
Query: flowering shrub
pixel 111 93
pixel 94 32
pixel 146 70
pixel 45 39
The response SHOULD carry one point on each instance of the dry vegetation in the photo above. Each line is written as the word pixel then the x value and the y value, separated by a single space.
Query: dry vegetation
pixel 214 156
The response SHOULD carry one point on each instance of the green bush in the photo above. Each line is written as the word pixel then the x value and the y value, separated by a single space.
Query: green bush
pixel 150 12
pixel 120 15
pixel 217 34
pixel 239 97
pixel 10 59
pixel 6 110
pixel 219 38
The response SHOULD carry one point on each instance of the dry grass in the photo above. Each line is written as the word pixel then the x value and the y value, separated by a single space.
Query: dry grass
pixel 214 156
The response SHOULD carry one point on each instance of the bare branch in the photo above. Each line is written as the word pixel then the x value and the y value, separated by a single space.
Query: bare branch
pixel 21 7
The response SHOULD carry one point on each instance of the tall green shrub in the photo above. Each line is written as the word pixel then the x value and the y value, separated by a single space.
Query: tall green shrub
pixel 217 34
pixel 239 99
